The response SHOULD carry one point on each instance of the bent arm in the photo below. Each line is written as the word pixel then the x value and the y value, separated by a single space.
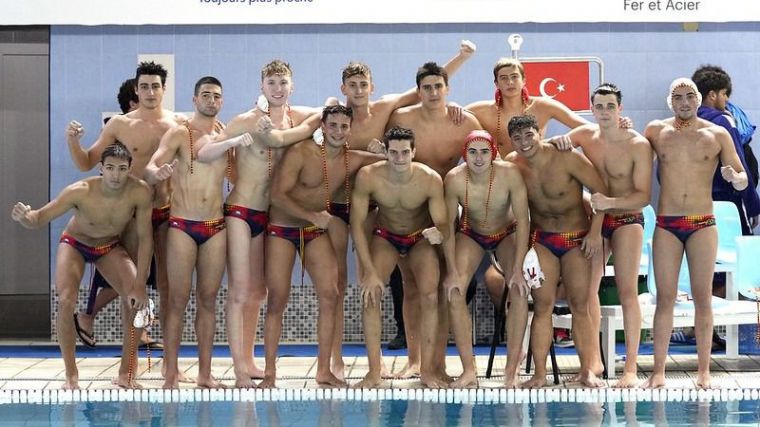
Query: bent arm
pixel 359 206
pixel 642 180
pixel 167 150
pixel 451 199
pixel 729 157
pixel 276 138
pixel 519 200
pixel 85 160
pixel 66 200
pixel 214 148
pixel 437 208
pixel 587 175
pixel 285 180
pixel 566 116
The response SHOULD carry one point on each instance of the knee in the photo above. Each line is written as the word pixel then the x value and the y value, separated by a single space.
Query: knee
pixel 276 306
pixel 67 303
pixel 178 302
pixel 628 293
pixel 259 295
pixel 206 302
pixel 328 297
pixel 578 304
pixel 543 307
pixel 411 293
pixel 429 299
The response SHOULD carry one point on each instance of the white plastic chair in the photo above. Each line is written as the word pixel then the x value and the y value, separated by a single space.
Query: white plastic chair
pixel 729 228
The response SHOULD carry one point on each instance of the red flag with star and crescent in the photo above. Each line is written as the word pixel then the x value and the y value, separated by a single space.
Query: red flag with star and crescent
pixel 565 81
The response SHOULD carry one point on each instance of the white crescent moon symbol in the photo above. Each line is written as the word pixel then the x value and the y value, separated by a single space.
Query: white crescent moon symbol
pixel 542 87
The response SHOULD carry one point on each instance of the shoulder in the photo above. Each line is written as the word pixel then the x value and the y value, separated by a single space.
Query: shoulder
pixel 455 175
pixel 139 188
pixel 546 105
pixel 300 113
pixel 178 118
pixel 637 140
pixel 177 133
pixel 386 101
pixel 479 107
pixel 367 172
pixel 426 172
pixel 657 124
pixel 82 188
pixel 406 111
pixel 584 131
pixel 470 120
pixel 512 157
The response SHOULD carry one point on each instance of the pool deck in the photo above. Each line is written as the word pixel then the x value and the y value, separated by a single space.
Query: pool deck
pixel 298 372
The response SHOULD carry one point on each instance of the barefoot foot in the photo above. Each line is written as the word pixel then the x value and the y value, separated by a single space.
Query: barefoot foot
pixel 466 380
pixel 654 381
pixel 409 371
pixel 628 380
pixel 536 381
pixel 209 382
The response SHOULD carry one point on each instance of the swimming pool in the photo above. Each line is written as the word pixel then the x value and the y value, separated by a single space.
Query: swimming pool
pixel 390 407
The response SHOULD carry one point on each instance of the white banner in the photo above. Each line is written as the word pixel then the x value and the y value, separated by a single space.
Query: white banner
pixel 139 12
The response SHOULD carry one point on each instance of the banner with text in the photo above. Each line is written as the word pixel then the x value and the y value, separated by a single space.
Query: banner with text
pixel 140 12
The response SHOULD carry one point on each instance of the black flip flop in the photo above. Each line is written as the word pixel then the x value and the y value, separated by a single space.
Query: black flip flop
pixel 87 338
pixel 153 345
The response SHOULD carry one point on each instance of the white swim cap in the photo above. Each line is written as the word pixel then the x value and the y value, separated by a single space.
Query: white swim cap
pixel 682 82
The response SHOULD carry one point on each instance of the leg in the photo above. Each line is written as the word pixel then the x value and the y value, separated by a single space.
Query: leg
pixel 701 249
pixel 424 259
pixel 468 256
pixel 541 327
pixel 397 291
pixel 576 276
pixel 210 269
pixel 323 269
pixel 627 241
pixel 69 269
pixel 338 233
pixel 160 251
pixel 253 305
pixel 667 252
pixel 117 267
pixel 384 257
pixel 598 264
pixel 517 315
pixel 101 294
pixel 242 285
pixel 278 268
pixel 180 266
pixel 411 313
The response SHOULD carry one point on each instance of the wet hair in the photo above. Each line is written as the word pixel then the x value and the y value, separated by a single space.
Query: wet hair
pixel 206 80
pixel 711 77
pixel 337 109
pixel 398 133
pixel 276 67
pixel 356 69
pixel 608 89
pixel 118 151
pixel 431 69
pixel 518 123
pixel 150 68
pixel 126 94
pixel 507 62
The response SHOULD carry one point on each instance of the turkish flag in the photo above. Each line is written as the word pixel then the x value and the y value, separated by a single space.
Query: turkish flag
pixel 565 81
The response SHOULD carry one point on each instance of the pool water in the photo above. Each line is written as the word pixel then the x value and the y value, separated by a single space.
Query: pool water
pixel 381 413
